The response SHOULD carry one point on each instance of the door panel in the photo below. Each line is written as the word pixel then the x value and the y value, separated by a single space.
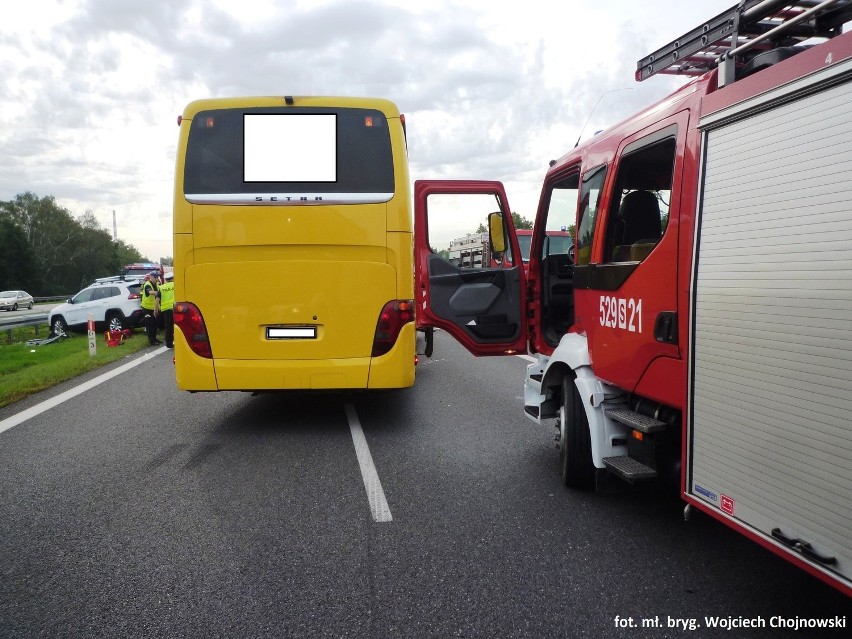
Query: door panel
pixel 78 311
pixel 463 286
pixel 629 287
pixel 480 302
pixel 569 195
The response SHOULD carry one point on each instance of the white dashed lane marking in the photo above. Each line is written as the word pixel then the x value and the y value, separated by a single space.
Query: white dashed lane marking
pixel 376 496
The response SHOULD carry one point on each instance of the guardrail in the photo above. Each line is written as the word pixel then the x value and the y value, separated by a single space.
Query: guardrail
pixel 54 298
pixel 12 320
pixel 36 321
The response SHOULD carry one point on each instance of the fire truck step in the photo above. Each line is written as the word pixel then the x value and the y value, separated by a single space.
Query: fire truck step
pixel 635 420
pixel 628 468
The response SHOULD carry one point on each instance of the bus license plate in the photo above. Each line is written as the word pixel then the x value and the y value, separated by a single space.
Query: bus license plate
pixel 291 332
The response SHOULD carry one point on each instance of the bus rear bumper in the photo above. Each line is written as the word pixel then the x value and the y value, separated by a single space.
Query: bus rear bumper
pixel 298 374
pixel 395 369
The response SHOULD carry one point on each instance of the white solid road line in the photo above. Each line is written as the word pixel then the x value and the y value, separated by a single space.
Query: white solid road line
pixel 529 358
pixel 24 415
pixel 375 494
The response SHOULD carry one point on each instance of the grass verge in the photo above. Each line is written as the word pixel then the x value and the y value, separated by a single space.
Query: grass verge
pixel 25 370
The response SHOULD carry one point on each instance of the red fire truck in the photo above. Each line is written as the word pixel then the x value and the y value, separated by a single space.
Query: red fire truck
pixel 554 242
pixel 702 331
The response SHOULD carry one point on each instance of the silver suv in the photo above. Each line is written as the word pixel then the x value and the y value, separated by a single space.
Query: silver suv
pixel 113 305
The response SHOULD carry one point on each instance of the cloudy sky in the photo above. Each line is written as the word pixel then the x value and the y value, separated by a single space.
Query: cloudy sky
pixel 90 90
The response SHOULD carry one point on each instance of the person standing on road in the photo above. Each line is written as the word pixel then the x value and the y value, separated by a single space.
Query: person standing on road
pixel 167 302
pixel 150 305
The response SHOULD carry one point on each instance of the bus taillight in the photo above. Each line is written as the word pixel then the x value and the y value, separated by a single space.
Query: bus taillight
pixel 188 318
pixel 393 317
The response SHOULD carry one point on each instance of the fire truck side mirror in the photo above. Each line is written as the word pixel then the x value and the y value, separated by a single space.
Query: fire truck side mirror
pixel 496 233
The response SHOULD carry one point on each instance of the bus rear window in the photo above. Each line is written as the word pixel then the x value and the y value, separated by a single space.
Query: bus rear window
pixel 310 140
pixel 289 156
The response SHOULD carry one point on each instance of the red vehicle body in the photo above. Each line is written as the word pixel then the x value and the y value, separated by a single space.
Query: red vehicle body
pixel 701 332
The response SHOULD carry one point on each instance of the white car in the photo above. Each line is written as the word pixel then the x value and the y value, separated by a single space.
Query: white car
pixel 13 300
pixel 113 305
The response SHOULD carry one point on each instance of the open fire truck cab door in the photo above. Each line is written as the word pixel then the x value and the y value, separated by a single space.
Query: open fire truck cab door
pixel 473 288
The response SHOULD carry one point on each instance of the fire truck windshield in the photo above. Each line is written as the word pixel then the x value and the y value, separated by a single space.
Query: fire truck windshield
pixel 524 242
pixel 558 244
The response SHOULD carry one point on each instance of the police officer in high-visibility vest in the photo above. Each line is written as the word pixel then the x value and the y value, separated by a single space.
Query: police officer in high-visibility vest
pixel 167 302
pixel 151 305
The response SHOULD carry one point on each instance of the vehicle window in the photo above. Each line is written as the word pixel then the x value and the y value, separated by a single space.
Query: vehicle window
pixel 228 152
pixel 557 244
pixel 106 292
pixel 590 194
pixel 7 293
pixel 524 241
pixel 83 296
pixel 458 230
pixel 639 210
pixel 562 204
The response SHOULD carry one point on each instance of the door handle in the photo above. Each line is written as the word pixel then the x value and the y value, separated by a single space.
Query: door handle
pixel 802 547
pixel 665 328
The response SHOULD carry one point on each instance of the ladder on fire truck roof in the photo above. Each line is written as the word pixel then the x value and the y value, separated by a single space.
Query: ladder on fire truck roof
pixel 747 37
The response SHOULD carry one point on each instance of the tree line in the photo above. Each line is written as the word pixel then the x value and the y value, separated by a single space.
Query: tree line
pixel 45 251
pixel 518 220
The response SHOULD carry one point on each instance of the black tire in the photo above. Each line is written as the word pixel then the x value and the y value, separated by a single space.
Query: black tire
pixel 15 306
pixel 115 322
pixel 58 326
pixel 30 307
pixel 575 445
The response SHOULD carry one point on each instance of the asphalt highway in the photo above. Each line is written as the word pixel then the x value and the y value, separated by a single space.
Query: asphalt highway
pixel 132 509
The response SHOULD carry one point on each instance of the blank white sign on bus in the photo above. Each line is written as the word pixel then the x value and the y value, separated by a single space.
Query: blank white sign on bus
pixel 295 147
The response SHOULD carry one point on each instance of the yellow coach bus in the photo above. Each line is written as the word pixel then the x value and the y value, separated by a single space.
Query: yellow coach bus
pixel 293 245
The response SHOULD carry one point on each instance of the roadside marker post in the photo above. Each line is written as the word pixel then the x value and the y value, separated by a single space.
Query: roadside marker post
pixel 93 343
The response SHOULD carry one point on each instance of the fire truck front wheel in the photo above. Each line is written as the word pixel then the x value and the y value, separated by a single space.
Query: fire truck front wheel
pixel 575 446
